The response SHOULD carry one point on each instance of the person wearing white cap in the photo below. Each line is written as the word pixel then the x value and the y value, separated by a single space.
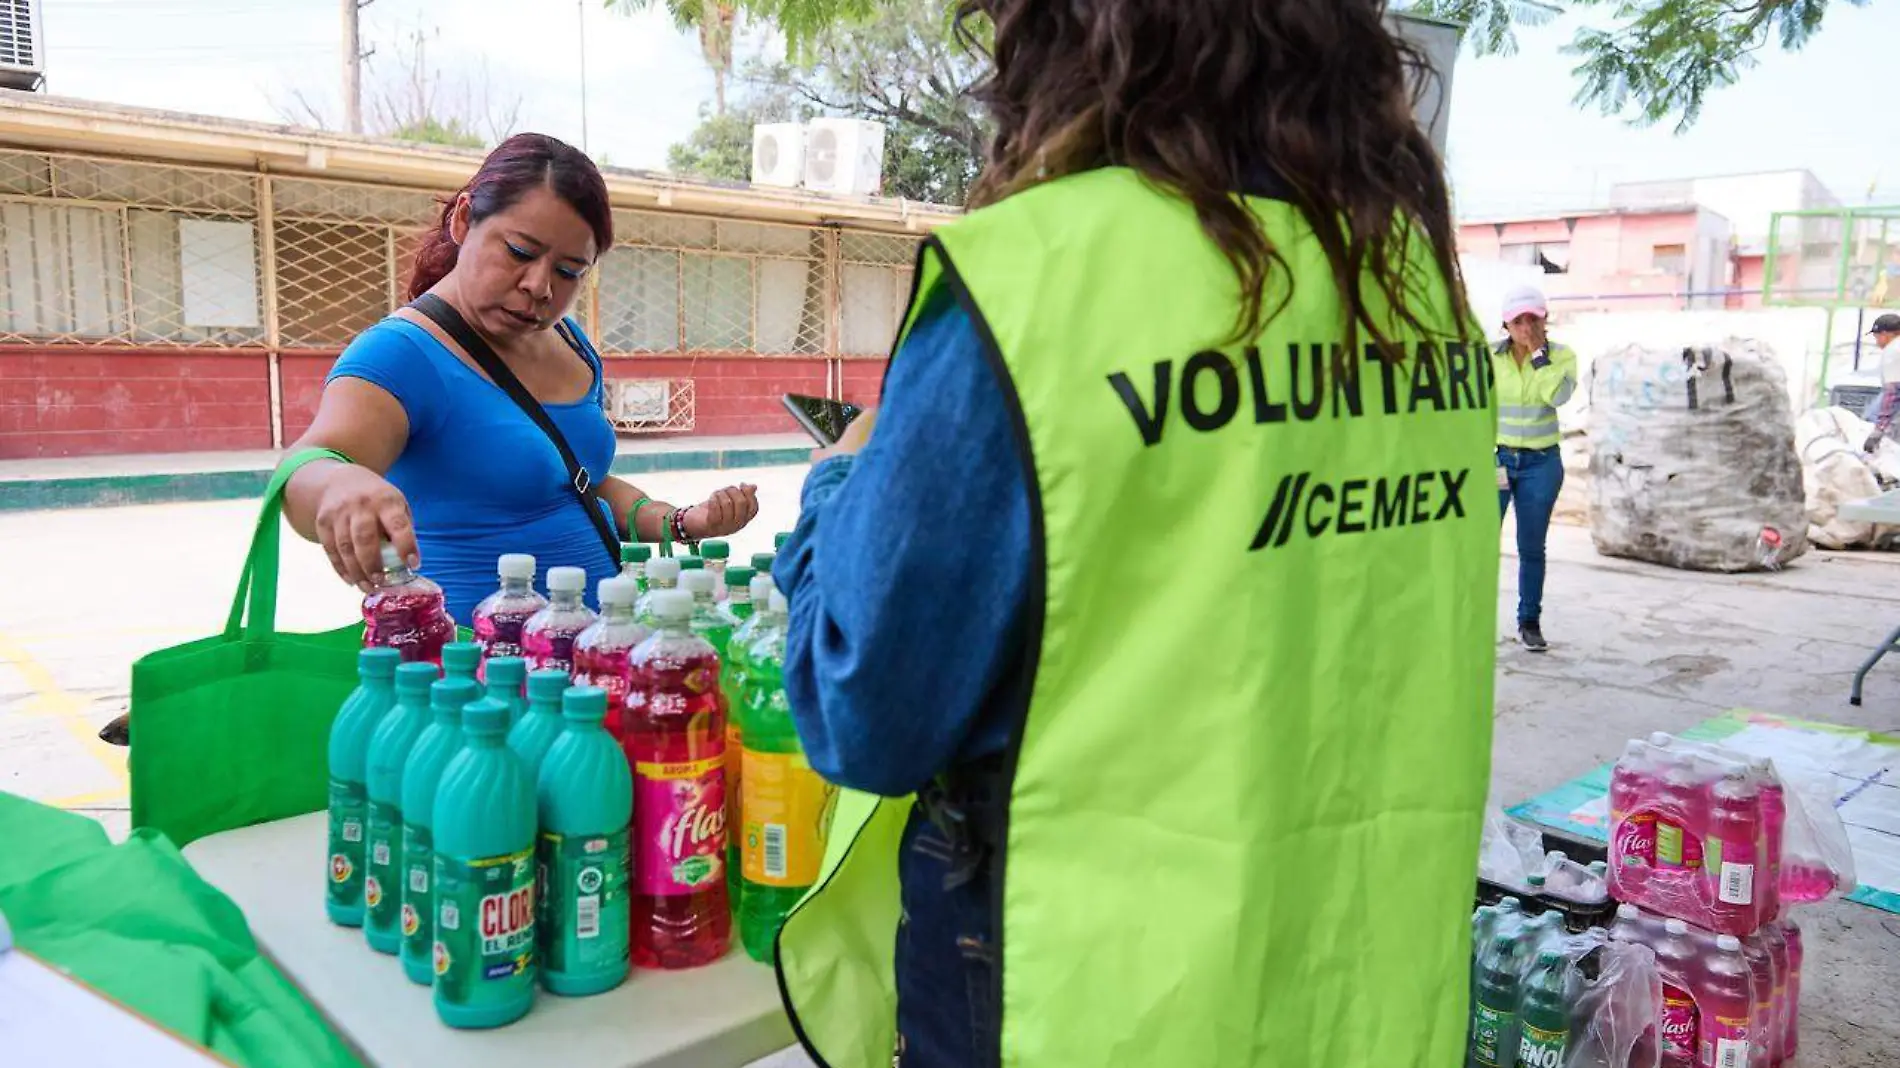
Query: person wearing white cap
pixel 1886 406
pixel 1533 378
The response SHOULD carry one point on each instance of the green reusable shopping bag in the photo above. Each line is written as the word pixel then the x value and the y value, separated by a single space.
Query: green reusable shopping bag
pixel 234 729
pixel 135 923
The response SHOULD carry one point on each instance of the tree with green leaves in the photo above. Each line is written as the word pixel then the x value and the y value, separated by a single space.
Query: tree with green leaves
pixel 1649 59
pixel 715 21
pixel 898 67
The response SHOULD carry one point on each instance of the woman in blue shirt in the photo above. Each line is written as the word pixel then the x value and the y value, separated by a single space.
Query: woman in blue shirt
pixel 445 466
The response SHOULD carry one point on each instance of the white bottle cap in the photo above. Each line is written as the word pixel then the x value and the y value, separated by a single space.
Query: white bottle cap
pixel 567 579
pixel 1660 740
pixel 672 606
pixel 778 603
pixel 1676 927
pixel 619 590
pixel 699 583
pixel 762 589
pixel 1628 912
pixel 1728 943
pixel 515 566
pixel 392 561
pixel 664 571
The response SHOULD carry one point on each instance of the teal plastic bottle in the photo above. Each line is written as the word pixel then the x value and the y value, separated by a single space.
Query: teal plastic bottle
pixel 366 706
pixel 508 683
pixel 786 805
pixel 484 878
pixel 388 752
pixel 421 774
pixel 541 724
pixel 460 660
pixel 585 797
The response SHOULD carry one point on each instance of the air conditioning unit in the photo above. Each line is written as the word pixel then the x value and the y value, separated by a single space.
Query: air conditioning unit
pixel 778 153
pixel 22 56
pixel 844 156
pixel 634 402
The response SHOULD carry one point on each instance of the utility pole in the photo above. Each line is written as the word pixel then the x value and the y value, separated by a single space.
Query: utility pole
pixel 580 8
pixel 353 57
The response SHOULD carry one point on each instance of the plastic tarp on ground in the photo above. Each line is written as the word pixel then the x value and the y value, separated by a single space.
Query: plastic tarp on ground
pixel 134 922
pixel 1837 473
pixel 1693 461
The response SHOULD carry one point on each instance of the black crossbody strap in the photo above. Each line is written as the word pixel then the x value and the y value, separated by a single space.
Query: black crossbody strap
pixel 443 315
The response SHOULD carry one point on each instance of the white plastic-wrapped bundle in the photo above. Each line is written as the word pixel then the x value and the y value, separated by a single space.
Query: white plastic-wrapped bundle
pixel 1838 473
pixel 1693 461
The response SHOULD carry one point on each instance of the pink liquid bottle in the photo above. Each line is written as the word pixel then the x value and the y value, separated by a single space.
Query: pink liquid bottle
pixel 1683 818
pixel 406 612
pixel 1761 978
pixel 601 651
pixel 1727 1001
pixel 1791 1018
pixel 1633 783
pixel 1773 937
pixel 501 615
pixel 1774 822
pixel 676 740
pixel 548 636
pixel 1680 1021
pixel 1735 848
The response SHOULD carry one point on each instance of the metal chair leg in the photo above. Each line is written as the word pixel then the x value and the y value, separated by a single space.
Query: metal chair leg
pixel 1891 645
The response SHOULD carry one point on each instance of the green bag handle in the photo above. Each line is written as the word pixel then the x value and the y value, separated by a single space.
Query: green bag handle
pixel 257 586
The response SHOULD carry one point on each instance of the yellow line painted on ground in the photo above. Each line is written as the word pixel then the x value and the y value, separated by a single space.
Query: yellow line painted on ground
pixel 95 798
pixel 51 700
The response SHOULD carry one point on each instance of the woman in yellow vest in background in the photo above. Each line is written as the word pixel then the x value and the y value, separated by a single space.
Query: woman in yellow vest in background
pixel 1534 378
pixel 1151 628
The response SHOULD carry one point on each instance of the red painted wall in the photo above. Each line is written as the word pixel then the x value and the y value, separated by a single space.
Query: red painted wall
pixel 76 402
pixel 734 394
pixel 863 381
pixel 80 402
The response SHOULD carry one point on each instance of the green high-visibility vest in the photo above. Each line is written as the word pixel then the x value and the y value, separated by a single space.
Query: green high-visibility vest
pixel 1528 397
pixel 1248 789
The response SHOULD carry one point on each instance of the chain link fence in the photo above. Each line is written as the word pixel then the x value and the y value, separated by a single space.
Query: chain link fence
pixel 113 253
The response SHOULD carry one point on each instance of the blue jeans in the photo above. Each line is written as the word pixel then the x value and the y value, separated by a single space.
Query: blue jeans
pixel 1536 477
pixel 947 1010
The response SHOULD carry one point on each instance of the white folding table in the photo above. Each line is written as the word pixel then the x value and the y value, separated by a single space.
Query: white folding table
pixel 721 1016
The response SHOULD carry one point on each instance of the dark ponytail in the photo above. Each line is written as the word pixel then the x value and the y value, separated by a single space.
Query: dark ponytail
pixel 517 165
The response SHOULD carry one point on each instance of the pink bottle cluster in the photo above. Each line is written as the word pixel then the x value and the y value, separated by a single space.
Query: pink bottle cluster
pixel 1698 834
pixel 1728 1001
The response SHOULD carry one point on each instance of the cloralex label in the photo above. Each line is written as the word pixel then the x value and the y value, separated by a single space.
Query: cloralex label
pixel 418 907
pixel 484 928
pixel 586 904
pixel 382 892
pixel 1489 1029
pixel 348 811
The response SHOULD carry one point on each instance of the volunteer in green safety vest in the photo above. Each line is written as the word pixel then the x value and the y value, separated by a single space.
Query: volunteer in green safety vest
pixel 1148 623
pixel 1535 376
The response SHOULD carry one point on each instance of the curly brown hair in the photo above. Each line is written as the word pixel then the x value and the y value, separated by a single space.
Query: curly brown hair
pixel 1198 95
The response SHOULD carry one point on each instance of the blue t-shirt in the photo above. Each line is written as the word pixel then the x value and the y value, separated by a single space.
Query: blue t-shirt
pixel 481 478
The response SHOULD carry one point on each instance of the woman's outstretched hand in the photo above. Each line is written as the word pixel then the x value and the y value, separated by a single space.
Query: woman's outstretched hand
pixel 359 510
pixel 725 512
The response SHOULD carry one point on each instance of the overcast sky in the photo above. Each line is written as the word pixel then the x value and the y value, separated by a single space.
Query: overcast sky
pixel 1517 141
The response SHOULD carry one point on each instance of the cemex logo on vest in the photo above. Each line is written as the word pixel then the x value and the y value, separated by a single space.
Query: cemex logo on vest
pixel 1322 382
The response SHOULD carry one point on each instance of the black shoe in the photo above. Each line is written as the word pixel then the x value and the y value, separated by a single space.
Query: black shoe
pixel 1532 636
